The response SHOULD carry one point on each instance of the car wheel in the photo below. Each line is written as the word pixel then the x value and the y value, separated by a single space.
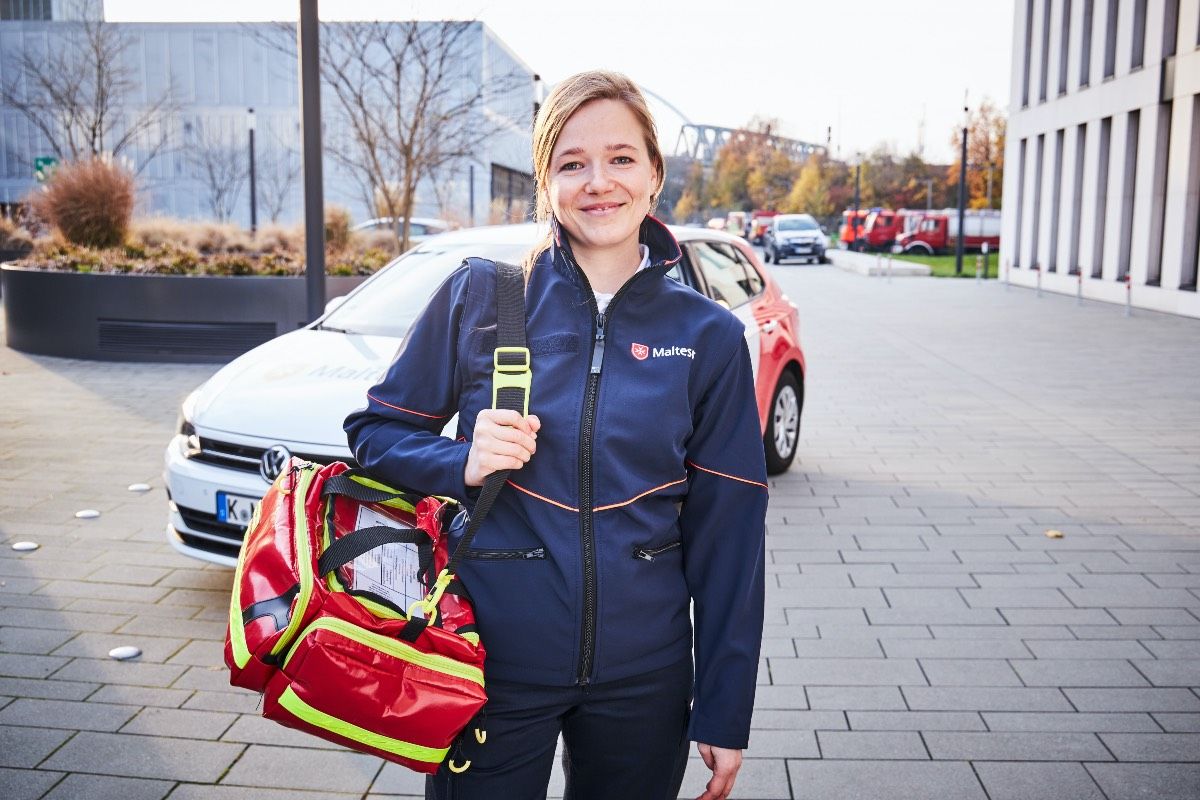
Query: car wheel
pixel 824 259
pixel 783 424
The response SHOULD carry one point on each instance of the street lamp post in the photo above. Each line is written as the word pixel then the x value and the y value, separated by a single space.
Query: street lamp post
pixel 962 200
pixel 250 123
pixel 857 198
pixel 308 48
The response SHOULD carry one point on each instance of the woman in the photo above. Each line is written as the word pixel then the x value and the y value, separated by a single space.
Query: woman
pixel 638 484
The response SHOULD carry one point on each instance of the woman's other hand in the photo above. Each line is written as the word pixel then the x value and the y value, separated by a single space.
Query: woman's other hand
pixel 724 764
pixel 503 440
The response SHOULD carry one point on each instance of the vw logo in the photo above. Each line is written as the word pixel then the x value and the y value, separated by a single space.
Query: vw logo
pixel 273 461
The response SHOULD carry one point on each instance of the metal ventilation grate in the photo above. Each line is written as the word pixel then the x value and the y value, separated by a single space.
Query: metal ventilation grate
pixel 183 338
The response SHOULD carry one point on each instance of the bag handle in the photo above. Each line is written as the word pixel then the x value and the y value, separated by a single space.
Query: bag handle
pixel 358 487
pixel 511 382
pixel 349 547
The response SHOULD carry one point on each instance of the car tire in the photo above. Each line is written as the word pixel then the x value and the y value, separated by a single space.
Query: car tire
pixel 782 437
pixel 824 259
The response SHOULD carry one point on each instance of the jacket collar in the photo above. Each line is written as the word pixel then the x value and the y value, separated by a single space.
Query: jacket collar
pixel 664 249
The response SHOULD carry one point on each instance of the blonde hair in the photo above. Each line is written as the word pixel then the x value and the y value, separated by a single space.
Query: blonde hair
pixel 566 98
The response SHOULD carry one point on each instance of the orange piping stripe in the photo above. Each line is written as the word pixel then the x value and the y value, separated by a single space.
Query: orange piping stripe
pixel 543 499
pixel 640 496
pixel 407 410
pixel 723 475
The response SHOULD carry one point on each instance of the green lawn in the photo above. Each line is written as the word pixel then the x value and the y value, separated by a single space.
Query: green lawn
pixel 943 266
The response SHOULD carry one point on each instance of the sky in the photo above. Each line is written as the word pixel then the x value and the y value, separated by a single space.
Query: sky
pixel 868 73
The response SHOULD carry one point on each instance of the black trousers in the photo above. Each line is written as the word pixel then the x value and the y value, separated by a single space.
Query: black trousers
pixel 623 740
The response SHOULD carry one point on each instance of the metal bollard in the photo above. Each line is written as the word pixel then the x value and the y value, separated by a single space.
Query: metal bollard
pixel 1038 269
pixel 978 268
pixel 1128 296
pixel 889 268
pixel 1079 287
pixel 1007 266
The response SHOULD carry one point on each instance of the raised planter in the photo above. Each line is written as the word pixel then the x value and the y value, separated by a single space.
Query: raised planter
pixel 151 317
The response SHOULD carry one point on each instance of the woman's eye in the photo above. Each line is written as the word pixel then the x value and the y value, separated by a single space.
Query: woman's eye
pixel 570 166
pixel 622 160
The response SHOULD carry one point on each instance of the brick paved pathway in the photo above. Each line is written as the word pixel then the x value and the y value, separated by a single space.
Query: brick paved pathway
pixel 925 638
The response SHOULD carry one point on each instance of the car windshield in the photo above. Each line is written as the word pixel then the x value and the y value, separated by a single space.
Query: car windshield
pixel 797 224
pixel 388 304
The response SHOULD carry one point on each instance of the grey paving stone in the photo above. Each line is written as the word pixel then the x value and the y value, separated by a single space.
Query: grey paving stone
pixel 31 640
pixel 1097 722
pixel 75 716
pixel 782 744
pixel 866 698
pixel 105 787
pixel 295 768
pixel 1174 649
pixel 1149 597
pixel 1087 650
pixel 1057 616
pixel 1015 598
pixel 96 645
pixel 1008 781
pixel 1178 723
pixel 1132 699
pixel 241 702
pixel 395 779
pixel 875 745
pixel 1147 781
pixel 968 672
pixel 192 791
pixel 955 649
pixel 882 780
pixel 23 665
pixel 880 632
pixel 179 722
pixel 1152 616
pixel 145 757
pixel 26 747
pixel 1078 672
pixel 785 697
pixel 956 698
pixel 1016 746
pixel 1154 746
pixel 140 696
pixel 1172 672
pixel 131 673
pixel 764 778
pixel 847 671
pixel 26 784
pixel 798 720
pixel 253 729
pixel 915 721
pixel 837 648
pixel 934 616
pixel 49 690
pixel 1020 632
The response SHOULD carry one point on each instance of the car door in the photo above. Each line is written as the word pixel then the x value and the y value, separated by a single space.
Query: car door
pixel 727 281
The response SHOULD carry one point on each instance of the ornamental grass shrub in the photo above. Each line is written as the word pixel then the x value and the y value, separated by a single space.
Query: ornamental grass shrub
pixel 89 203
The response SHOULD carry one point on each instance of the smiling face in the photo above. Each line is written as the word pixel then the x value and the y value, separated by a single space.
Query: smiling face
pixel 601 179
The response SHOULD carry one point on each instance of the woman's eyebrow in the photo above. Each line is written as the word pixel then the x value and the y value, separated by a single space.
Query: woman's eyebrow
pixel 575 151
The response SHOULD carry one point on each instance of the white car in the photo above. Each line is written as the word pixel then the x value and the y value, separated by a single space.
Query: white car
pixel 419 228
pixel 289 396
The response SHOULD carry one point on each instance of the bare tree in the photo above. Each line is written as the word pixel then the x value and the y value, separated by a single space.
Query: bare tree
pixel 277 174
pixel 220 162
pixel 77 93
pixel 408 101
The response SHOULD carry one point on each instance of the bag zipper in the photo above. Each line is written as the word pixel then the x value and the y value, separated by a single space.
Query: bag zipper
pixel 505 555
pixel 649 553
pixel 587 427
pixel 393 647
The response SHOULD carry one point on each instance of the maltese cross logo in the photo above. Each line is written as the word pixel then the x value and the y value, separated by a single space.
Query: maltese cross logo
pixel 640 351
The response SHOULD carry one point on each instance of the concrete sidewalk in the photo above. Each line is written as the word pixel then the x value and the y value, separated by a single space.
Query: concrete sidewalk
pixel 925 638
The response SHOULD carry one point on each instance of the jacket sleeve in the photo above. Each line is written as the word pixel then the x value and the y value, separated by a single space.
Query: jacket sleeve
pixel 397 437
pixel 723 525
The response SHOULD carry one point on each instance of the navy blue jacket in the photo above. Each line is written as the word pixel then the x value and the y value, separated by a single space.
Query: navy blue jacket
pixel 647 490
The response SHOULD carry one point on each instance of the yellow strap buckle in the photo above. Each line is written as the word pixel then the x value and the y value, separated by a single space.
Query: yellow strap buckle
pixel 428 606
pixel 511 376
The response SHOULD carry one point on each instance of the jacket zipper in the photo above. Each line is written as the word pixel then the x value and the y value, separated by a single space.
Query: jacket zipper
pixel 506 555
pixel 587 536
pixel 649 553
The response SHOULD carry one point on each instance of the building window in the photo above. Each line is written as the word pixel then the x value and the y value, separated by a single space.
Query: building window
pixel 1077 197
pixel 1036 222
pixel 1020 203
pixel 1191 236
pixel 1085 45
pixel 1139 35
pixel 1128 190
pixel 1101 197
pixel 1064 47
pixel 1056 200
pixel 512 194
pixel 1170 28
pixel 35 10
pixel 1045 72
pixel 1162 150
pixel 1110 40
pixel 1028 52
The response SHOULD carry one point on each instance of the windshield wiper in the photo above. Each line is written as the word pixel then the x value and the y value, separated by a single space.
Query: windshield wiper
pixel 333 329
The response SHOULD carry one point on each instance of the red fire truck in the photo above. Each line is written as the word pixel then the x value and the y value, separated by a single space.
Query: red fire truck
pixel 937 232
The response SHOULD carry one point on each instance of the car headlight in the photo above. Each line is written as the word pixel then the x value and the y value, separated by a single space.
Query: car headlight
pixel 189 440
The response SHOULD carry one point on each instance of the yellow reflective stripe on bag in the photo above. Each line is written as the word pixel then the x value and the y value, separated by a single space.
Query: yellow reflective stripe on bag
pixel 237 629
pixel 393 647
pixel 302 710
pixel 303 557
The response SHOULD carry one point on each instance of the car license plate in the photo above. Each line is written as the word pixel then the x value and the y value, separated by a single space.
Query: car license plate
pixel 236 509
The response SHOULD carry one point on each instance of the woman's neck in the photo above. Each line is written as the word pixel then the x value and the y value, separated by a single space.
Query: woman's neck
pixel 608 268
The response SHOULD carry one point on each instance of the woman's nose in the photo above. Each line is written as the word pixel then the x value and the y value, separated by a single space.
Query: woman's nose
pixel 599 180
